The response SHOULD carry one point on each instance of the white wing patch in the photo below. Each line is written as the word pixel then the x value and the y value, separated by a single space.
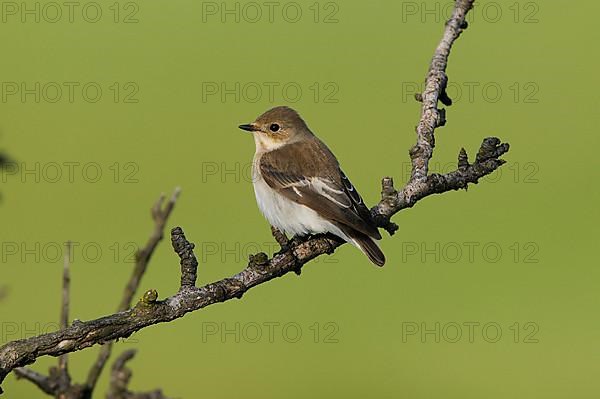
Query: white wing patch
pixel 323 187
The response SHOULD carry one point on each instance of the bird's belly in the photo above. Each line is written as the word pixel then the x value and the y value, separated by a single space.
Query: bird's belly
pixel 289 216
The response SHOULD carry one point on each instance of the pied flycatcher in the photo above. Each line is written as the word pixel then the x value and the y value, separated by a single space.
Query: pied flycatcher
pixel 300 187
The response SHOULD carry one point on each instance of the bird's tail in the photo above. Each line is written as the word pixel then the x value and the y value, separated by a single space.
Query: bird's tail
pixel 367 245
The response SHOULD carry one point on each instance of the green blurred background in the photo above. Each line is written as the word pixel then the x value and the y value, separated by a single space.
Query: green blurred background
pixel 508 265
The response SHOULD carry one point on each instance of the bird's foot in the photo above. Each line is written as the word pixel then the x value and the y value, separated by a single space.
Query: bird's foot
pixel 285 244
pixel 297 240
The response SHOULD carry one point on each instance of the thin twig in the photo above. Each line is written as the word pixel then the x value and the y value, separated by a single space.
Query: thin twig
pixel 64 314
pixel 160 214
pixel 59 381
pixel 189 264
pixel 41 381
pixel 120 377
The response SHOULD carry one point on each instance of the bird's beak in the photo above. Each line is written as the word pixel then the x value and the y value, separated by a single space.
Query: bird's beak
pixel 250 127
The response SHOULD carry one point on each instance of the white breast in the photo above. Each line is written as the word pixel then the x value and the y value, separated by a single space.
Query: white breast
pixel 285 214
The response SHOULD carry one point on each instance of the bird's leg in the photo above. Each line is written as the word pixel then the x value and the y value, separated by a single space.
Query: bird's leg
pixel 281 238
pixel 287 244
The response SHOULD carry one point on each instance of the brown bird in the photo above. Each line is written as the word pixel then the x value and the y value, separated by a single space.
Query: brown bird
pixel 300 187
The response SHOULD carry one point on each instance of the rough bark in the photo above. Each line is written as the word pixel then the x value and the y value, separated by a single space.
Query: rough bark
pixel 58 383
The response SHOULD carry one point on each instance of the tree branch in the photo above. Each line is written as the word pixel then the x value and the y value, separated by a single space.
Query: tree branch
pixel 59 381
pixel 188 261
pixel 149 310
pixel 64 314
pixel 119 381
pixel 160 216
pixel 41 381
pixel 421 184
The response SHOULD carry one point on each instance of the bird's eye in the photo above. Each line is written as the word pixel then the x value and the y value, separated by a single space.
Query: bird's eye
pixel 274 127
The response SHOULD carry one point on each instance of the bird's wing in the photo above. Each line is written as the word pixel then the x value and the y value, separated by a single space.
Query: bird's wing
pixel 307 173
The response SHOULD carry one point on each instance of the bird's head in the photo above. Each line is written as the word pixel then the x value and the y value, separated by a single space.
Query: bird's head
pixel 277 127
